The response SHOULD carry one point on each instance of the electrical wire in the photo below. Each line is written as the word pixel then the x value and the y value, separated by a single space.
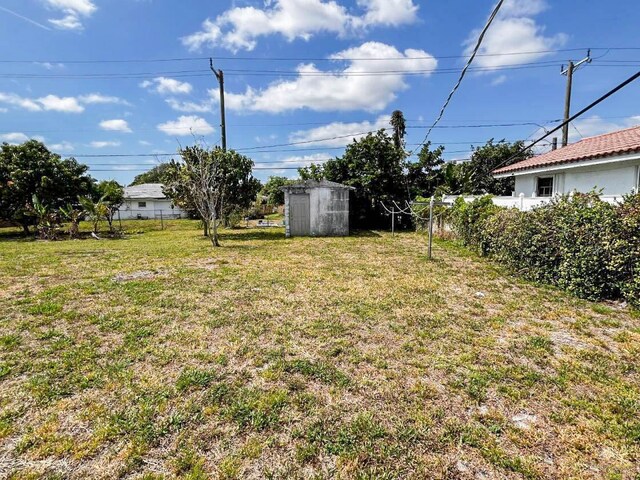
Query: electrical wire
pixel 303 59
pixel 617 88
pixel 464 70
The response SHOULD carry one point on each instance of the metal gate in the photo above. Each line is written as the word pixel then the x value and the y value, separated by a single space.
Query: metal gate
pixel 299 216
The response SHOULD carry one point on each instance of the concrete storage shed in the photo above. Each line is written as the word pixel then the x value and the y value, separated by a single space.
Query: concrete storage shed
pixel 316 208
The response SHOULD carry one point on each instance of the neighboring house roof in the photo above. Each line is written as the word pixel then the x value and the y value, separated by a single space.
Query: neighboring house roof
pixel 315 184
pixel 610 144
pixel 146 190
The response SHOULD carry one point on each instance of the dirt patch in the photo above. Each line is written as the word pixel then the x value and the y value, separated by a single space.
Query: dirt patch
pixel 138 275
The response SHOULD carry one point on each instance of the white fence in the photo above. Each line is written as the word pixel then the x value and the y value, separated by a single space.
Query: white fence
pixel 521 202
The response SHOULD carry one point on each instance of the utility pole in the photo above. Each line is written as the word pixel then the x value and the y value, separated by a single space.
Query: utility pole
pixel 223 124
pixel 571 68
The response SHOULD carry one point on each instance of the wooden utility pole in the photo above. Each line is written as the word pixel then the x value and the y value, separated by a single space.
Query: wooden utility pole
pixel 567 100
pixel 223 124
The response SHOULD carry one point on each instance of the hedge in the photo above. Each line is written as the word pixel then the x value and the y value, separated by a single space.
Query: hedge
pixel 579 243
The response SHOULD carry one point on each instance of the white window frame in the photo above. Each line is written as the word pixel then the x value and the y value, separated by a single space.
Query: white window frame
pixel 550 177
pixel 637 179
pixel 142 204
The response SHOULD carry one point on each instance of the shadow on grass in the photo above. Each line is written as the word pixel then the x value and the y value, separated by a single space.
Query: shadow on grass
pixel 252 234
pixel 365 233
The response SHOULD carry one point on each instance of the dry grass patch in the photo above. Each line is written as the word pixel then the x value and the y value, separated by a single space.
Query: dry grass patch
pixel 155 356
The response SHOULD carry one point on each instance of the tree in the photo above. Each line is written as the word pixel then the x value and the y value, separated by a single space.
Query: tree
pixel 424 176
pixel 159 174
pixel 96 210
pixel 73 216
pixel 111 195
pixel 399 128
pixel 374 167
pixel 213 182
pixel 272 189
pixel 31 169
pixel 487 158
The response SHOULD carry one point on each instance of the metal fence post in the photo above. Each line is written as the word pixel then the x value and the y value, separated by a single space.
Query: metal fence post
pixel 393 222
pixel 430 225
pixel 161 221
pixel 119 219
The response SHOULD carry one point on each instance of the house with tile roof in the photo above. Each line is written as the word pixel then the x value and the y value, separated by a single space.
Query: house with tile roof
pixel 608 163
pixel 148 201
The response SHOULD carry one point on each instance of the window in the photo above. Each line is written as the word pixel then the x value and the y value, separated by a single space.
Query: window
pixel 545 187
pixel 142 204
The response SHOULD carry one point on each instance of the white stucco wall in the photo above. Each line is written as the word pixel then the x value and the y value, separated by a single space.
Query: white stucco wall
pixel 329 211
pixel 154 207
pixel 613 179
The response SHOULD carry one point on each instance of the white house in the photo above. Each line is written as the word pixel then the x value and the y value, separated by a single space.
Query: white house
pixel 148 201
pixel 606 162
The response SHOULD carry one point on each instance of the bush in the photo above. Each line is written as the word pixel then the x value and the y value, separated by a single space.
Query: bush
pixel 579 243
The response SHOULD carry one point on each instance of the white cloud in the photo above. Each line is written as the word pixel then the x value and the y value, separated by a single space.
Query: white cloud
pixel 350 88
pixel 61 147
pixel 73 10
pixel 278 166
pixel 51 66
pixel 186 125
pixel 99 99
pixel 347 132
pixel 190 107
pixel 595 125
pixel 144 143
pixel 166 85
pixel 499 80
pixel 60 104
pixel 104 144
pixel 13 138
pixel 239 28
pixel 115 125
pixel 4 110
pixel 514 31
pixel 17 101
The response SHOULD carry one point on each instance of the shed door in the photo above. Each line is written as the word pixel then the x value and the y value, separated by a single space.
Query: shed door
pixel 299 214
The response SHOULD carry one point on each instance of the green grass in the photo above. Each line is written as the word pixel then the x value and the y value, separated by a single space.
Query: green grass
pixel 155 356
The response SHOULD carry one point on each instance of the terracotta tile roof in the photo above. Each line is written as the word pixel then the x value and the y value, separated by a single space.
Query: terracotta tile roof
pixel 614 143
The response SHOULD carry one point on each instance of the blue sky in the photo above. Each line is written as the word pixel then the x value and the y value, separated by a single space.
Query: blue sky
pixel 123 77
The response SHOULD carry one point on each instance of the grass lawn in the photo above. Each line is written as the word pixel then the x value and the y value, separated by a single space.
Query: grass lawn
pixel 156 356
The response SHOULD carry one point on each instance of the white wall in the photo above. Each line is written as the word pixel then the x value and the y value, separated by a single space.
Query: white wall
pixel 154 207
pixel 613 179
pixel 329 210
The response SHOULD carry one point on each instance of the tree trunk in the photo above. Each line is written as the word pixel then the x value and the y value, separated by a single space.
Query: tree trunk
pixel 205 228
pixel 25 229
pixel 214 237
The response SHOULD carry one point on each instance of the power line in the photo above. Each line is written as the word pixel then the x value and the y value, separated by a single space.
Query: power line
pixel 573 117
pixel 253 125
pixel 464 70
pixel 315 59
pixel 295 73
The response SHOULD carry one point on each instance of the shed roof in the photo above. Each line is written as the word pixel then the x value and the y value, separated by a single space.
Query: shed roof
pixel 316 184
pixel 609 144
pixel 145 190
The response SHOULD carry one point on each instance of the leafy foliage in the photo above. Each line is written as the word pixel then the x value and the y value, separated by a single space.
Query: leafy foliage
pixel 159 174
pixel 272 190
pixel 579 243
pixel 111 195
pixel 215 183
pixel 31 169
pixel 374 167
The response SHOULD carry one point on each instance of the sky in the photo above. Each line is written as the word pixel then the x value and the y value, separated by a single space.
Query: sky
pixel 122 84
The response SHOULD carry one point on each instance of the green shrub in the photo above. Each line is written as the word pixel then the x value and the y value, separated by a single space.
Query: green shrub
pixel 468 220
pixel 579 243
